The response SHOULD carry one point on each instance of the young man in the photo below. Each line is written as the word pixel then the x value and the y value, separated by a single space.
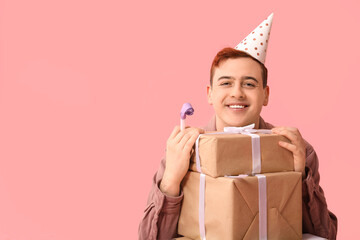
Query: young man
pixel 238 90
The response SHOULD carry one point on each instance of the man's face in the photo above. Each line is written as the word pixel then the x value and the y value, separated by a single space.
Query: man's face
pixel 237 93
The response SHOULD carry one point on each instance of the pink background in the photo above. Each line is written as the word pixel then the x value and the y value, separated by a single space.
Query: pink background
pixel 90 91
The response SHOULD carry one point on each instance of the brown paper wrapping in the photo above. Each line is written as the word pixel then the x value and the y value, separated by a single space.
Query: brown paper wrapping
pixel 231 207
pixel 230 154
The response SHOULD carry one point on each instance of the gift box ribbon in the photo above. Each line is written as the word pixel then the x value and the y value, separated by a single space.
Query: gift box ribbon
pixel 256 168
pixel 262 205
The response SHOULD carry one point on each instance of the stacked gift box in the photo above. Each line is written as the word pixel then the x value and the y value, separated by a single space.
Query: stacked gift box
pixel 241 186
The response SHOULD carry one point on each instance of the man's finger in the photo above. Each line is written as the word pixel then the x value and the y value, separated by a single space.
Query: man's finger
pixel 175 131
pixel 179 136
pixel 190 143
pixel 288 146
pixel 201 131
pixel 185 138
pixel 291 129
pixel 293 137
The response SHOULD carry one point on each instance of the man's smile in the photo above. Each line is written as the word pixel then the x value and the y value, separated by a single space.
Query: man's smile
pixel 237 106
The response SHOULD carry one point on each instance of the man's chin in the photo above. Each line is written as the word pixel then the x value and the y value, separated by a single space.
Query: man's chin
pixel 238 121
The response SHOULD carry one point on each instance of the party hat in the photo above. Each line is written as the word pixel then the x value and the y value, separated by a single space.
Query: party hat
pixel 256 42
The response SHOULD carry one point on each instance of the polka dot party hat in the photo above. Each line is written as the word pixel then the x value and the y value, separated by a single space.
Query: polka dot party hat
pixel 256 42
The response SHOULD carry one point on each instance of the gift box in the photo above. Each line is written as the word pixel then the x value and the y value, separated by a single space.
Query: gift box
pixel 232 154
pixel 231 207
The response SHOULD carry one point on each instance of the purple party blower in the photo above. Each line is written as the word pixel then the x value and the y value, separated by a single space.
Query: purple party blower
pixel 186 109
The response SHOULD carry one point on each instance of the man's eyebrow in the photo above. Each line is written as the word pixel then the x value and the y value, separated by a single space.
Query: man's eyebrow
pixel 249 77
pixel 242 78
pixel 225 77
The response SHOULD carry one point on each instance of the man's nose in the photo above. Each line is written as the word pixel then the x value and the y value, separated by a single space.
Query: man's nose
pixel 237 91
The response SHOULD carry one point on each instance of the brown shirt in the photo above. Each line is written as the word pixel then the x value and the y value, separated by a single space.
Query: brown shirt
pixel 162 212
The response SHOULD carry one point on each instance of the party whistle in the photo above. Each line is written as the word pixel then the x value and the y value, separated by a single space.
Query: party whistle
pixel 186 109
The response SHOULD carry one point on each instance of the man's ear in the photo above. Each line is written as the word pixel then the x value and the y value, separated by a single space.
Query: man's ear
pixel 209 94
pixel 266 92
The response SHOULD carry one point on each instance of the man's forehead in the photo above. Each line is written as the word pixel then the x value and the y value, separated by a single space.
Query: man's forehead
pixel 242 66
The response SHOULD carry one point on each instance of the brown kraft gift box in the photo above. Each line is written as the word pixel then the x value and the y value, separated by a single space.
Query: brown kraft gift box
pixel 231 154
pixel 231 207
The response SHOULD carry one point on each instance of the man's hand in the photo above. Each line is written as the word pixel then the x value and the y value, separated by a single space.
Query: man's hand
pixel 178 150
pixel 297 146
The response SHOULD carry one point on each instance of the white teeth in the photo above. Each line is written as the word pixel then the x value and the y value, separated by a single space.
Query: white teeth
pixel 236 106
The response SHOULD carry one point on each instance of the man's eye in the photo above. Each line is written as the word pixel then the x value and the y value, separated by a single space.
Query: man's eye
pixel 249 85
pixel 224 83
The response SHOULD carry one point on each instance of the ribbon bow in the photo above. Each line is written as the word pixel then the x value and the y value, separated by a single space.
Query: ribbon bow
pixel 246 129
pixel 255 142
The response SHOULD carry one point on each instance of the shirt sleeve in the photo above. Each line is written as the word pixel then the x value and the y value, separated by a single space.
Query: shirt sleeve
pixel 162 212
pixel 317 219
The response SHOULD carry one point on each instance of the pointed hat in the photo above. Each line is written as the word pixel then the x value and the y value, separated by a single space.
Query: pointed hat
pixel 256 42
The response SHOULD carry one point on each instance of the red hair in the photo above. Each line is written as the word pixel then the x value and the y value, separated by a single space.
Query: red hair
pixel 227 53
